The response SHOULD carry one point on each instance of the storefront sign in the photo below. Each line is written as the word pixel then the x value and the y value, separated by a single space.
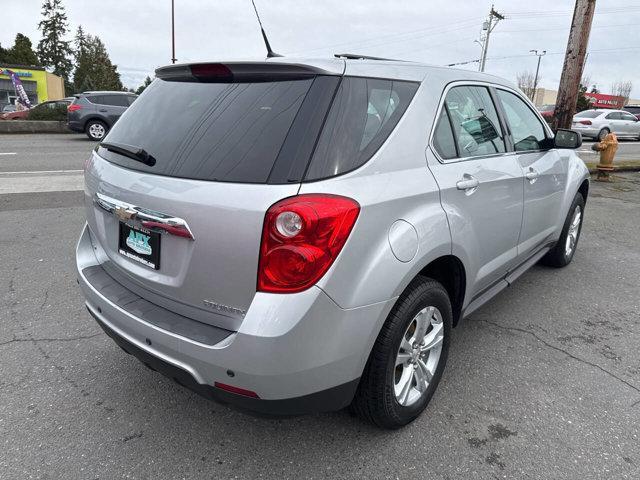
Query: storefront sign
pixel 20 74
pixel 600 100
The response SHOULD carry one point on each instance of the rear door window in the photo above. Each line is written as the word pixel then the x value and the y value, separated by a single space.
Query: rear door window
pixel 116 100
pixel 97 99
pixel 475 121
pixel 364 113
pixel 230 132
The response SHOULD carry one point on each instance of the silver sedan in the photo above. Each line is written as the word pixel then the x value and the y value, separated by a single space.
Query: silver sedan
pixel 597 124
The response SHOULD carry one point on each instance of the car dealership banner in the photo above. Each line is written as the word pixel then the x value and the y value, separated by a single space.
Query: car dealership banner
pixel 600 100
pixel 17 85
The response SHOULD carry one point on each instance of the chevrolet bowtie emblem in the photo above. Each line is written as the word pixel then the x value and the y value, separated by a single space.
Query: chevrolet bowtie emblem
pixel 124 213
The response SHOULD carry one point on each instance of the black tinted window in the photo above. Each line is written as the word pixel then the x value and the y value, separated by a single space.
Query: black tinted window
pixel 210 131
pixel 96 99
pixel 364 112
pixel 613 116
pixel 116 100
pixel 475 121
pixel 443 140
pixel 526 129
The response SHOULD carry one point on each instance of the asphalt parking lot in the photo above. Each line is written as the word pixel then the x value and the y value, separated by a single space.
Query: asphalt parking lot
pixel 543 382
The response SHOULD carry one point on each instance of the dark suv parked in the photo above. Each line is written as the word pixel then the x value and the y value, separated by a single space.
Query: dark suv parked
pixel 94 113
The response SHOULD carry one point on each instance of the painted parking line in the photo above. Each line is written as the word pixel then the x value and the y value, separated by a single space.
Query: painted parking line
pixel 41 181
pixel 41 172
pixel 8 153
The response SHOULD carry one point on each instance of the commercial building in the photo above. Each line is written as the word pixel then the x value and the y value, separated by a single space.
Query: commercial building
pixel 39 84
pixel 544 96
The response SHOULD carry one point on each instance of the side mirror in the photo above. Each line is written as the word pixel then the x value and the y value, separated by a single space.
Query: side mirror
pixel 567 139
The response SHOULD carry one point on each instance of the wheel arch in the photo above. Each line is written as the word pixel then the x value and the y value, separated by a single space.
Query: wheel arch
pixel 583 189
pixel 450 272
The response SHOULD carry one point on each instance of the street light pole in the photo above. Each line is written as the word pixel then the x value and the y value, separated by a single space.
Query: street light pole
pixel 173 35
pixel 535 81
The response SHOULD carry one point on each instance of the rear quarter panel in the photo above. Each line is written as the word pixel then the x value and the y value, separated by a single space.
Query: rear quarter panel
pixel 395 184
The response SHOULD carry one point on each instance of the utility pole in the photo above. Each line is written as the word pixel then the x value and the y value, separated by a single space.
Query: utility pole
pixel 487 28
pixel 535 80
pixel 173 35
pixel 573 63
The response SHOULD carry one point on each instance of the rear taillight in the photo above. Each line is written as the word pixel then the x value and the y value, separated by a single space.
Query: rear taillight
pixel 301 238
pixel 585 122
pixel 73 107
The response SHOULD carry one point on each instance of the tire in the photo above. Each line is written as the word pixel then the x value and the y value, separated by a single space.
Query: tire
pixel 561 255
pixel 96 130
pixel 380 398
pixel 603 133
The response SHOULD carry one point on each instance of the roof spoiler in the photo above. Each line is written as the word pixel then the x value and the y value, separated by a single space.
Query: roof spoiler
pixel 238 72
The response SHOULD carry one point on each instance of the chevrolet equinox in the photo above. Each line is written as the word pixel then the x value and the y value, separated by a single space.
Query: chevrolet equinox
pixel 296 236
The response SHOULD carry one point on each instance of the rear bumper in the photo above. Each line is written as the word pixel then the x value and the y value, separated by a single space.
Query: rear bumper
pixel 327 400
pixel 299 353
pixel 589 132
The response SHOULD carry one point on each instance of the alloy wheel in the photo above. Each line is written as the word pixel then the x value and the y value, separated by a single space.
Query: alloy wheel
pixel 573 232
pixel 418 356
pixel 96 131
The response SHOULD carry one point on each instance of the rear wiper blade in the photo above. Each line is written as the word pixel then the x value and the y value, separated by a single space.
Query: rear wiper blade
pixel 131 151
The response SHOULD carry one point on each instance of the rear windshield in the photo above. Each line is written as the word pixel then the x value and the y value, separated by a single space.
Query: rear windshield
pixel 210 131
pixel 263 132
pixel 589 114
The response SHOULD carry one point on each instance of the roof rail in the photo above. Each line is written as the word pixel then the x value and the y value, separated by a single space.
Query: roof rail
pixel 355 56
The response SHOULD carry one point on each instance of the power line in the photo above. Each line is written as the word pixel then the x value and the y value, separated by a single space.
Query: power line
pixel 566 28
pixel 422 32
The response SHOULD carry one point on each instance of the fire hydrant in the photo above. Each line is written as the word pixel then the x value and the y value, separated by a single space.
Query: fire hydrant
pixel 607 148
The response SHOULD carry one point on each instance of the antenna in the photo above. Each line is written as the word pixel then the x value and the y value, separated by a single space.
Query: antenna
pixel 270 53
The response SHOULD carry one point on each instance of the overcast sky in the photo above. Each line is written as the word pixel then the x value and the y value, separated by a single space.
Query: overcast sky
pixel 137 33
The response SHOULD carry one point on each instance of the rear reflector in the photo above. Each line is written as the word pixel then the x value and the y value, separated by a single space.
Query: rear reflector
pixel 236 390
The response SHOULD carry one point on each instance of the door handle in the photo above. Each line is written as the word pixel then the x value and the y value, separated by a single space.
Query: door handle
pixel 102 110
pixel 532 175
pixel 469 184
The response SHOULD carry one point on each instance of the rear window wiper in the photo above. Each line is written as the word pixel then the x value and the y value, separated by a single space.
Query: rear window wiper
pixel 131 151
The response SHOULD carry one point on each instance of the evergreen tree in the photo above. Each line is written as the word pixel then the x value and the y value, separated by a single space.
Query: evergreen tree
pixel 3 55
pixel 22 52
pixel 583 102
pixel 80 43
pixel 53 50
pixel 94 70
pixel 147 82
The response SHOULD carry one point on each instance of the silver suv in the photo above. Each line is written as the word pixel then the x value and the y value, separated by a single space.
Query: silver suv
pixel 300 236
